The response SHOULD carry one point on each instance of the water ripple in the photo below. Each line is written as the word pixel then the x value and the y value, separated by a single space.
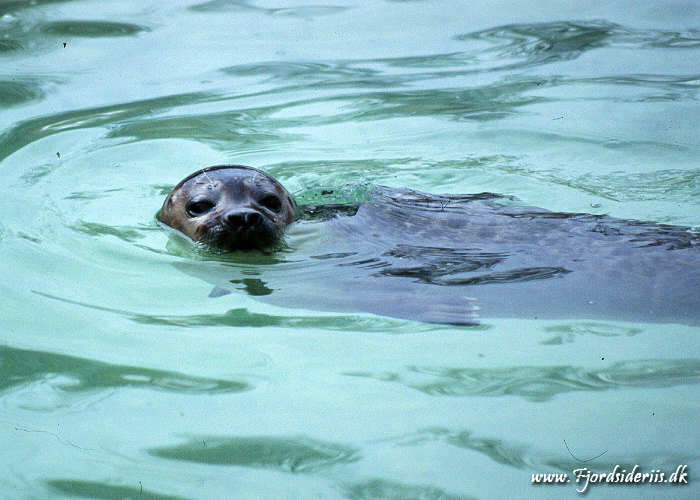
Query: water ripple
pixel 75 488
pixel 542 43
pixel 319 74
pixel 353 92
pixel 94 229
pixel 92 29
pixel 488 102
pixel 243 129
pixel 16 92
pixel 303 11
pixel 567 333
pixel 289 454
pixel 19 367
pixel 35 129
pixel 9 45
pixel 243 318
pixel 520 456
pixel 622 186
pixel 382 489
pixel 539 383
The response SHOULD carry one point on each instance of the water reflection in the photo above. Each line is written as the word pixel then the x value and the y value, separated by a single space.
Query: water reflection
pixel 245 129
pixel 75 488
pixel 20 367
pixel 297 454
pixel 542 383
pixel 542 43
pixel 569 332
pixel 361 89
pixel 35 129
pixel 621 186
pixel 9 45
pixel 529 457
pixel 304 11
pixel 92 29
pixel 16 5
pixel 95 229
pixel 382 489
pixel 15 92
pixel 243 318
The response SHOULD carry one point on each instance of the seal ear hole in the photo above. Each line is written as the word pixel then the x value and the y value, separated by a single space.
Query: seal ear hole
pixel 271 202
pixel 198 208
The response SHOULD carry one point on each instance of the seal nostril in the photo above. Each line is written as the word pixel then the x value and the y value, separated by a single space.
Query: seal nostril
pixel 234 219
pixel 243 218
pixel 252 219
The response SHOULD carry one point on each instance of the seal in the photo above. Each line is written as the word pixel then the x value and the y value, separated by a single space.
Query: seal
pixel 446 259
pixel 230 207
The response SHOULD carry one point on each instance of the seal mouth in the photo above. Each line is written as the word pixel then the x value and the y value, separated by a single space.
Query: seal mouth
pixel 223 238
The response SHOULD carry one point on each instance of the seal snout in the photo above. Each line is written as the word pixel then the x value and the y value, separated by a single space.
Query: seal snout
pixel 242 219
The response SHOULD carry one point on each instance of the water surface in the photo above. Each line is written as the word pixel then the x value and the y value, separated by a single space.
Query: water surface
pixel 122 377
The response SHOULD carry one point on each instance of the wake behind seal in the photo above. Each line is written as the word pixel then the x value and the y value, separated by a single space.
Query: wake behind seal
pixel 230 207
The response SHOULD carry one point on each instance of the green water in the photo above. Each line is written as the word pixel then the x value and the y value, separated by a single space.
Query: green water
pixel 121 378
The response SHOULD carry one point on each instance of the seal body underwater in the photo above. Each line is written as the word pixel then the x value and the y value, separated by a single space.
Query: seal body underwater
pixel 435 259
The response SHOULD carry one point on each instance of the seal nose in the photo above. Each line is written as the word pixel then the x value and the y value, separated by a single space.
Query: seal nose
pixel 242 219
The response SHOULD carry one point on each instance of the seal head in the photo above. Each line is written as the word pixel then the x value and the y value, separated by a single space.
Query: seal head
pixel 230 207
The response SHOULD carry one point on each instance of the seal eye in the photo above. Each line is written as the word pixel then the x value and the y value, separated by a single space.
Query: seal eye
pixel 198 208
pixel 271 202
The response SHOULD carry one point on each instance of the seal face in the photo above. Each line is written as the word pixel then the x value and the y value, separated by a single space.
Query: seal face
pixel 230 207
